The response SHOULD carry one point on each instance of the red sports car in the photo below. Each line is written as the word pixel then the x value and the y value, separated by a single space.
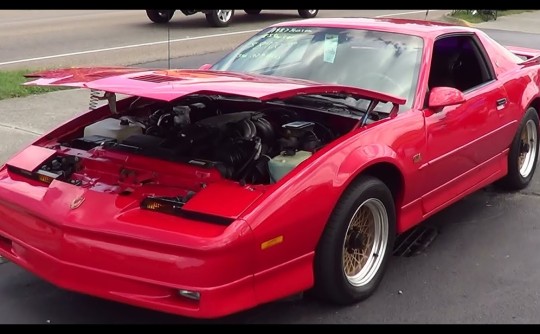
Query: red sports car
pixel 289 165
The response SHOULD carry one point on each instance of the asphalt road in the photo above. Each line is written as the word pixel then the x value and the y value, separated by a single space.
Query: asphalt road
pixel 482 268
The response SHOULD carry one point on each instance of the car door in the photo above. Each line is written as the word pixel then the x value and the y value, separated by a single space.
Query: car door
pixel 465 141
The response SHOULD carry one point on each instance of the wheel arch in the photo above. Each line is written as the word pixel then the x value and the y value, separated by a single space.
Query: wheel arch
pixel 535 103
pixel 390 175
pixel 530 96
pixel 376 160
pixel 385 167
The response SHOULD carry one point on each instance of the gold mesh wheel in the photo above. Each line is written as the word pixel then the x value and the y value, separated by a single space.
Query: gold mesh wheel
pixel 527 148
pixel 365 242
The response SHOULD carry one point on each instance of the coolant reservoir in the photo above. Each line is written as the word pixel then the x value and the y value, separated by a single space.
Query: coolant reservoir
pixel 118 129
pixel 282 164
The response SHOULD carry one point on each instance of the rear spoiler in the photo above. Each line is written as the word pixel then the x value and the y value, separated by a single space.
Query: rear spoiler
pixel 529 56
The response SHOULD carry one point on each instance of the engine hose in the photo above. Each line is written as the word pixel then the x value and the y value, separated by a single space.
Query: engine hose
pixel 265 130
pixel 162 118
pixel 258 148
pixel 256 152
pixel 252 128
pixel 244 133
pixel 248 129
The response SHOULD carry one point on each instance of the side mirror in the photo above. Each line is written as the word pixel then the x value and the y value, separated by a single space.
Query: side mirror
pixel 205 66
pixel 440 97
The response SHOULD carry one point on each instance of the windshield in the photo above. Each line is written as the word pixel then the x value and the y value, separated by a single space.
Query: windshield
pixel 374 60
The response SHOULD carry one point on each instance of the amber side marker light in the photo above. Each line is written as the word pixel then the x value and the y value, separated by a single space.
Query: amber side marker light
pixel 272 242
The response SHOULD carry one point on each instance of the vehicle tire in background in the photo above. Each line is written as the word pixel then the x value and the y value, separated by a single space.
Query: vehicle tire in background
pixel 352 254
pixel 220 17
pixel 308 13
pixel 253 11
pixel 523 155
pixel 160 16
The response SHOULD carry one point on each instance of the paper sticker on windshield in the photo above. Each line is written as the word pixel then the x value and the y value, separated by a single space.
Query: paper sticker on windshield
pixel 330 48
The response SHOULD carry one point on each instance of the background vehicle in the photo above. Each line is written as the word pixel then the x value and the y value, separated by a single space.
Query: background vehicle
pixel 215 17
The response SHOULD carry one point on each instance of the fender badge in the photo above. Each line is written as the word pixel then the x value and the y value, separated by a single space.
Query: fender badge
pixel 77 201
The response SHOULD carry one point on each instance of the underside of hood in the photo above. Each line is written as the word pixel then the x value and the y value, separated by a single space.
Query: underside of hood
pixel 168 85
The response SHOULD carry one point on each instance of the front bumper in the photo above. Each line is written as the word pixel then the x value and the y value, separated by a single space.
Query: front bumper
pixel 215 301
pixel 113 264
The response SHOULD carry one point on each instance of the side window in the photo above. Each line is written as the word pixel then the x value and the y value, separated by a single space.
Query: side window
pixel 458 62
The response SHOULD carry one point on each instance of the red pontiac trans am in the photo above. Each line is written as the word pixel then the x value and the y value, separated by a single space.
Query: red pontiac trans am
pixel 289 165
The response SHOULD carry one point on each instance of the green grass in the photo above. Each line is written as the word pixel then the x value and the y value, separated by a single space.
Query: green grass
pixel 469 17
pixel 10 85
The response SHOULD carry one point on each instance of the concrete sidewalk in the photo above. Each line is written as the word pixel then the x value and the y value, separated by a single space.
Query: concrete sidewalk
pixel 23 119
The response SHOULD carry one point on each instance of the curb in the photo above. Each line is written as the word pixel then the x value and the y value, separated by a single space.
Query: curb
pixel 457 21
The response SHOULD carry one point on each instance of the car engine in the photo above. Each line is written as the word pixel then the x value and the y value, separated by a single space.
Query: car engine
pixel 255 147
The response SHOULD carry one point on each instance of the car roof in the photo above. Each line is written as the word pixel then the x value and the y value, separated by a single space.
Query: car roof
pixel 420 28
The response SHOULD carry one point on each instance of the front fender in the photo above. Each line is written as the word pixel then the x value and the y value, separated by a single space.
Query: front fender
pixel 362 158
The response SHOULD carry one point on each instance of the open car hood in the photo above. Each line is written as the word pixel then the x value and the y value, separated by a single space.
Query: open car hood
pixel 168 85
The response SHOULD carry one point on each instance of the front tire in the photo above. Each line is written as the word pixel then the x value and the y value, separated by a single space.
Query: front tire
pixel 308 13
pixel 220 17
pixel 160 16
pixel 353 252
pixel 523 155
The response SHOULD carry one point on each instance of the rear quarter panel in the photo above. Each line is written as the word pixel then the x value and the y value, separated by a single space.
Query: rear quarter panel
pixel 522 86
pixel 522 83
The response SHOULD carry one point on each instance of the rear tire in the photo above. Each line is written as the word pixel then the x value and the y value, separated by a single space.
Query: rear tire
pixel 220 17
pixel 253 11
pixel 308 13
pixel 160 16
pixel 351 257
pixel 523 155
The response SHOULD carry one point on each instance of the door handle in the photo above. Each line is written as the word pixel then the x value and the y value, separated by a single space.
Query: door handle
pixel 501 103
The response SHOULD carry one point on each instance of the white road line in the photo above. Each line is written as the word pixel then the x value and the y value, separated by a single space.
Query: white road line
pixel 164 42
pixel 126 47
pixel 407 13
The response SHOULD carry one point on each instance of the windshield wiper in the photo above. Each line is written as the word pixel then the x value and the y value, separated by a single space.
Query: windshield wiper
pixel 333 103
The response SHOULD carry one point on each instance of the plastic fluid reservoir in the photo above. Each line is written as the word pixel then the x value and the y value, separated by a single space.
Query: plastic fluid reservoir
pixel 282 164
pixel 118 129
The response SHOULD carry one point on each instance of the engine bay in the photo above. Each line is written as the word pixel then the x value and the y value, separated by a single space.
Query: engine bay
pixel 244 141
